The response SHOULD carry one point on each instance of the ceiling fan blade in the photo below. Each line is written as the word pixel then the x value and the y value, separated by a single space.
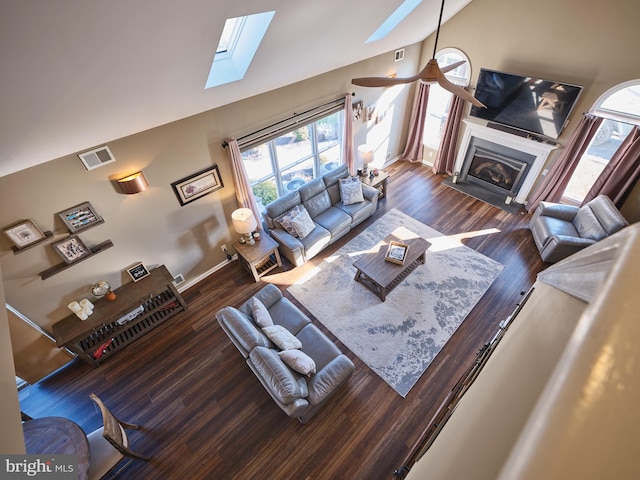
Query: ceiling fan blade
pixel 456 90
pixel 382 81
pixel 453 66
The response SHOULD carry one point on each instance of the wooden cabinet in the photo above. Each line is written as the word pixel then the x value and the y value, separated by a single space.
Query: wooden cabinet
pixel 138 308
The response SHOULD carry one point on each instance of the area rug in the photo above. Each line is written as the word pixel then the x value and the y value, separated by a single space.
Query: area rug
pixel 400 337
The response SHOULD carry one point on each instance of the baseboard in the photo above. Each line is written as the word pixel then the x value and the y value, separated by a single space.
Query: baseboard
pixel 191 282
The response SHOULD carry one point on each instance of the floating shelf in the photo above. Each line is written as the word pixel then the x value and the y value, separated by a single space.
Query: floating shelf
pixel 49 272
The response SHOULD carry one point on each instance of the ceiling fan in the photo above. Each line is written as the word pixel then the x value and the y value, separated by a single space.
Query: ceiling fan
pixel 431 73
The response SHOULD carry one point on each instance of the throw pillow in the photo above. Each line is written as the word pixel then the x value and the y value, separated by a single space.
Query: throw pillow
pixel 282 337
pixel 260 313
pixel 351 190
pixel 303 224
pixel 286 218
pixel 298 361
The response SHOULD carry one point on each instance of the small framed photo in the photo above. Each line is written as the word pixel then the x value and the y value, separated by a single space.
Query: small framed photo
pixel 197 185
pixel 80 217
pixel 23 233
pixel 71 249
pixel 138 272
pixel 397 252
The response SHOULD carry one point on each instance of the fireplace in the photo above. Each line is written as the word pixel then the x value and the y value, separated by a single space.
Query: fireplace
pixel 496 172
pixel 500 163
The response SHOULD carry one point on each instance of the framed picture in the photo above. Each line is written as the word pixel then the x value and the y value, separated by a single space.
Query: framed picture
pixel 197 185
pixel 23 233
pixel 396 253
pixel 71 249
pixel 80 217
pixel 138 272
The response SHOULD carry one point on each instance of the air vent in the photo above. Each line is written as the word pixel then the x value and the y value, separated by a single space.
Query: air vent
pixel 178 279
pixel 97 158
pixel 399 55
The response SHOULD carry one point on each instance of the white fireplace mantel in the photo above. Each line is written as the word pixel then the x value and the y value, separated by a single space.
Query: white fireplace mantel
pixel 540 150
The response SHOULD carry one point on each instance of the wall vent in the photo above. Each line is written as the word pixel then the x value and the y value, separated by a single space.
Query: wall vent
pixel 178 279
pixel 96 158
pixel 399 55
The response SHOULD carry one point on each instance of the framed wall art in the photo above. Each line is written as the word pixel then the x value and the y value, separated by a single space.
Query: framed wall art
pixel 71 249
pixel 80 217
pixel 23 234
pixel 197 185
pixel 138 272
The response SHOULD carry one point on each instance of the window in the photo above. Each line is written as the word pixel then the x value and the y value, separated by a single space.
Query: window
pixel 440 99
pixel 239 42
pixel 620 108
pixel 282 165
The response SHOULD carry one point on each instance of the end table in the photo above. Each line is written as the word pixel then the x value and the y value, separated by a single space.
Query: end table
pixel 261 257
pixel 379 182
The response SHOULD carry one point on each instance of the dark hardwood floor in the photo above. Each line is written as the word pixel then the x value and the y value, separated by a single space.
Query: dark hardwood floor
pixel 205 415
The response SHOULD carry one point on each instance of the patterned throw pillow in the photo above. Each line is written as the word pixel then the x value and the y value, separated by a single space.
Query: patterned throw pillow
pixel 286 218
pixel 260 313
pixel 282 337
pixel 351 190
pixel 303 224
pixel 299 361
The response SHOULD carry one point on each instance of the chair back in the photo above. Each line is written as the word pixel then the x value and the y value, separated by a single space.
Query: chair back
pixel 113 430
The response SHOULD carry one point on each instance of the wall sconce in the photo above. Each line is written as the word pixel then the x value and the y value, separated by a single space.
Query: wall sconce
pixel 244 223
pixel 365 154
pixel 131 184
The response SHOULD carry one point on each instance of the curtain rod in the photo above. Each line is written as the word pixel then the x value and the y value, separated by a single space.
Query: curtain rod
pixel 292 117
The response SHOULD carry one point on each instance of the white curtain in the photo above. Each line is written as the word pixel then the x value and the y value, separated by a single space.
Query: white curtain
pixel 244 192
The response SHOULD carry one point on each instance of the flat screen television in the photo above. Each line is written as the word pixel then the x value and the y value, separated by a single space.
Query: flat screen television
pixel 529 104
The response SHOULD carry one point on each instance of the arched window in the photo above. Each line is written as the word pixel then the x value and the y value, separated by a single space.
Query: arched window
pixel 620 107
pixel 440 99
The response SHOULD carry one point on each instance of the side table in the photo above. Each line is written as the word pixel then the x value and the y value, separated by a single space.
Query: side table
pixel 261 257
pixel 379 182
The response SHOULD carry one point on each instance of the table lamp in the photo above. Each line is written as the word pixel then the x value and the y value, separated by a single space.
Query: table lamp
pixel 244 223
pixel 365 154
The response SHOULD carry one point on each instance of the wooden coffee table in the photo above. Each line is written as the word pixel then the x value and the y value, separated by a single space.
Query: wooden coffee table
pixel 381 276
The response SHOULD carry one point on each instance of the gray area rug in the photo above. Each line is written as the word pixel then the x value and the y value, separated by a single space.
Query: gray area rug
pixel 400 337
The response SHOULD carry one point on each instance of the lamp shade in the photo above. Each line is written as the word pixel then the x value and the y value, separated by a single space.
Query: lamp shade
pixel 365 154
pixel 131 184
pixel 243 220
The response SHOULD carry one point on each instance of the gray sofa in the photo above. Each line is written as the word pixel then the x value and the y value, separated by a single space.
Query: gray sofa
pixel 562 230
pixel 299 396
pixel 332 219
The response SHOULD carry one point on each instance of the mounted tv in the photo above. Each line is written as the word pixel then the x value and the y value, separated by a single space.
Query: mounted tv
pixel 527 104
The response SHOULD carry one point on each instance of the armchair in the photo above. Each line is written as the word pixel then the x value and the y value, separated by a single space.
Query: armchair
pixel 562 230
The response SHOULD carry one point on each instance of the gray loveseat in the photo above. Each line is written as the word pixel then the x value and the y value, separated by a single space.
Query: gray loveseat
pixel 332 219
pixel 299 396
pixel 562 230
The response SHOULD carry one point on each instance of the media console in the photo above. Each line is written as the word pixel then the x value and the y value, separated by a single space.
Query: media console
pixel 138 308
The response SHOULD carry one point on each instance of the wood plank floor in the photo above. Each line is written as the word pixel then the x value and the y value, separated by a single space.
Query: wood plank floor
pixel 206 416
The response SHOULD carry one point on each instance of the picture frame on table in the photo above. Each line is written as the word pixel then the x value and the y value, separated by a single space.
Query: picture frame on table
pixel 71 249
pixel 198 185
pixel 80 217
pixel 23 234
pixel 138 271
pixel 396 252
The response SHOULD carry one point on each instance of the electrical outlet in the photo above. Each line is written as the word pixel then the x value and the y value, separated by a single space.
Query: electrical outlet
pixel 224 248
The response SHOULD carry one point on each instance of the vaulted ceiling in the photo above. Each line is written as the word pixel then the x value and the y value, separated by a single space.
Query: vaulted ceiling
pixel 79 73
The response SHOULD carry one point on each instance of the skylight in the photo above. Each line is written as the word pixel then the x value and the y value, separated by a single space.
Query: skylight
pixel 394 19
pixel 239 41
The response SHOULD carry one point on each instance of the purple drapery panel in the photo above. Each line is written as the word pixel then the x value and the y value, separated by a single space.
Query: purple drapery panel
pixel 413 149
pixel 621 173
pixel 552 186
pixel 446 158
pixel 244 192
pixel 347 136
